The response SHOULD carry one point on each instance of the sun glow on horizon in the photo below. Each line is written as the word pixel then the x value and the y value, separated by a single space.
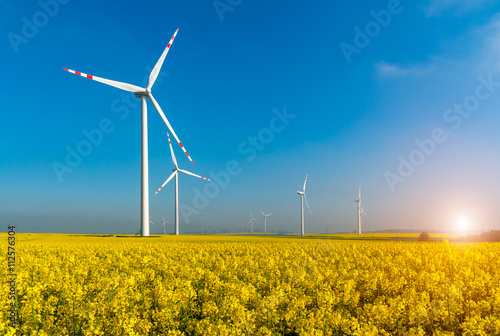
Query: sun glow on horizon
pixel 463 224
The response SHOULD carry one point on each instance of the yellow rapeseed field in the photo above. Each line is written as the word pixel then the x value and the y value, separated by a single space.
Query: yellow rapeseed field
pixel 78 285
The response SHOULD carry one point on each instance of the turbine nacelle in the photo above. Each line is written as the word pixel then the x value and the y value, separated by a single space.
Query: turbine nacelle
pixel 141 94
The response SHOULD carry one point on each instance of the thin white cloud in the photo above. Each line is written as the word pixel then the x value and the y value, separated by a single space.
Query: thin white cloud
pixel 385 69
pixel 478 51
pixel 489 53
pixel 460 7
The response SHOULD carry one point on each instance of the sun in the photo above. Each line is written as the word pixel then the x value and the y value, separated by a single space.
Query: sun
pixel 463 224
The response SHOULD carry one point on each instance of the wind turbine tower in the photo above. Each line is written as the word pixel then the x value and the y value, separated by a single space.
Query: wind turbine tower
pixel 302 196
pixel 251 220
pixel 360 210
pixel 175 173
pixel 265 217
pixel 164 222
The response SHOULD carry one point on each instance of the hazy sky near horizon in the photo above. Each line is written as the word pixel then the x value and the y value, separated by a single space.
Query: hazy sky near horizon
pixel 400 96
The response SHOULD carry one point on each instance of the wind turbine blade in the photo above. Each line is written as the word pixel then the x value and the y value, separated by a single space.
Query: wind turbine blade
pixel 168 180
pixel 157 68
pixel 304 189
pixel 120 85
pixel 270 214
pixel 250 221
pixel 172 151
pixel 162 115
pixel 359 192
pixel 152 222
pixel 263 214
pixel 308 205
pixel 189 173
pixel 251 214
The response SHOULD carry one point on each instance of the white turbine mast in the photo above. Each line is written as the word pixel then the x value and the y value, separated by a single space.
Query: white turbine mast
pixel 265 218
pixel 175 173
pixel 360 210
pixel 252 219
pixel 302 196
pixel 143 94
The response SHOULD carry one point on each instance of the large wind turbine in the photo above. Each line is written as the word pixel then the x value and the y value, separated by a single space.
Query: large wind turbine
pixel 252 220
pixel 302 196
pixel 265 218
pixel 143 94
pixel 176 174
pixel 360 209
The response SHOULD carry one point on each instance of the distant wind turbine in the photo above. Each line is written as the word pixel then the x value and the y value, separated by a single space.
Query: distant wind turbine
pixel 360 209
pixel 265 217
pixel 163 225
pixel 252 219
pixel 302 196
pixel 176 174
pixel 155 224
pixel 143 94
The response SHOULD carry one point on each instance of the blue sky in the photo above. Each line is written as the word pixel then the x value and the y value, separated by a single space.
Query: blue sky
pixel 401 97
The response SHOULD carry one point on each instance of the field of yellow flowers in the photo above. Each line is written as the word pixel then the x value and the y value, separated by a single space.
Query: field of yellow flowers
pixel 77 285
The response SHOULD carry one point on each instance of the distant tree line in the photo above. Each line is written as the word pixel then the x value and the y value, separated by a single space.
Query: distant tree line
pixel 492 236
